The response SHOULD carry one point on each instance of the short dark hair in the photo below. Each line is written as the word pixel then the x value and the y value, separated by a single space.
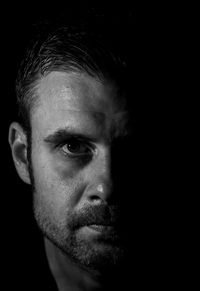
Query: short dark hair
pixel 81 47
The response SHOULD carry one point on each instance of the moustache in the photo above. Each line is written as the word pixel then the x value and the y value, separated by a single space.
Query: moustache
pixel 98 215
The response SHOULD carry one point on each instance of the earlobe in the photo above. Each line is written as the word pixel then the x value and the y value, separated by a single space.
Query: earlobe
pixel 18 143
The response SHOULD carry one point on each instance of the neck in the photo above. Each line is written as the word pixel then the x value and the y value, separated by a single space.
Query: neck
pixel 67 274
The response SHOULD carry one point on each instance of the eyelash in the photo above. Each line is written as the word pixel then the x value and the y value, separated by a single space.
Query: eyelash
pixel 87 154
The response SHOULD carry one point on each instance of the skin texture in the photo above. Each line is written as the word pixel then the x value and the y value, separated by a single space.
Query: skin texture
pixel 74 126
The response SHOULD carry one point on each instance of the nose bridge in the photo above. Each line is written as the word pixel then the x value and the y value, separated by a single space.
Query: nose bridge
pixel 101 178
pixel 103 168
pixel 105 163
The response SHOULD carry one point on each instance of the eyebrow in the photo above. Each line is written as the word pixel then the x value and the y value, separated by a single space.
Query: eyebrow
pixel 62 134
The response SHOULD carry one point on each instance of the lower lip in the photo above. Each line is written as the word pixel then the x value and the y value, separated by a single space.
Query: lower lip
pixel 100 228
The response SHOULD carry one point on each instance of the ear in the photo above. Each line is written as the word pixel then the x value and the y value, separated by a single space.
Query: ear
pixel 18 142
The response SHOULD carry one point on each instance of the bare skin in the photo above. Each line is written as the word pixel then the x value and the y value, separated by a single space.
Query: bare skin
pixel 73 126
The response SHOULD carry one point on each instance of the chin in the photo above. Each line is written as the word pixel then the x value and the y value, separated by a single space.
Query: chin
pixel 92 253
pixel 93 256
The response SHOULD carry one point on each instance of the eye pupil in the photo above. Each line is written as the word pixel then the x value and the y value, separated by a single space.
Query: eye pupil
pixel 73 146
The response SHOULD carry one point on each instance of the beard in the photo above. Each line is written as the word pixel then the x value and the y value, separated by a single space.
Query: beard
pixel 97 253
pixel 100 253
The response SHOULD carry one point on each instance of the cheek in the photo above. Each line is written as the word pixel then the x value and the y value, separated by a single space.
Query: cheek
pixel 57 184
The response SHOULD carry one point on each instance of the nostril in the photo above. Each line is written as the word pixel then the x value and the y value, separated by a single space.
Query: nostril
pixel 94 197
pixel 96 200
pixel 99 191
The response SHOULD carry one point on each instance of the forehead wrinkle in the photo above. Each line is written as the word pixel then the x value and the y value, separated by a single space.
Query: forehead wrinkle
pixel 84 122
pixel 70 88
pixel 87 96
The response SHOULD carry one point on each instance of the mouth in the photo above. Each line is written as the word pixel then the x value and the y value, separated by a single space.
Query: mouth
pixel 100 233
pixel 104 233
pixel 102 228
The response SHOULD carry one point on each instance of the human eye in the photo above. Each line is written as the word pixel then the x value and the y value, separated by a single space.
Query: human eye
pixel 74 148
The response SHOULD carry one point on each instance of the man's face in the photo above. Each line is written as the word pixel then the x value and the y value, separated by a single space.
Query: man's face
pixel 73 129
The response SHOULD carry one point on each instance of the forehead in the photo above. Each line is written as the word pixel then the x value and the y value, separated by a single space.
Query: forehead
pixel 76 98
pixel 75 89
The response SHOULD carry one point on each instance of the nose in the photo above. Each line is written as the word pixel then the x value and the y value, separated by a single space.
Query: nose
pixel 100 185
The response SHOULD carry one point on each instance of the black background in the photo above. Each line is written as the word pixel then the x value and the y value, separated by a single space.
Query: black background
pixel 157 66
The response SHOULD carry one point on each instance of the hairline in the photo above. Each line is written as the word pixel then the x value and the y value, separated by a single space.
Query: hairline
pixel 33 96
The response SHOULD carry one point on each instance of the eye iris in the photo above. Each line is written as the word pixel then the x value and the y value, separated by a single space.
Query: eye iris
pixel 73 147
